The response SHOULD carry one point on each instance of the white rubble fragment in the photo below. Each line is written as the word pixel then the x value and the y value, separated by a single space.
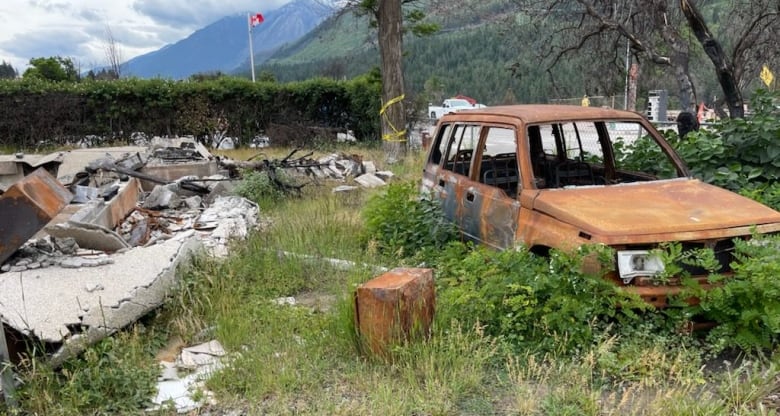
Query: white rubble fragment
pixel 229 218
pixel 200 355
pixel 205 359
pixel 369 167
pixel 287 300
pixel 344 188
pixel 385 175
pixel 193 202
pixel 161 197
pixel 368 180
pixel 91 287
pixel 78 262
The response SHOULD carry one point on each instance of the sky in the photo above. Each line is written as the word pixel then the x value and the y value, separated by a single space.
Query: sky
pixel 78 29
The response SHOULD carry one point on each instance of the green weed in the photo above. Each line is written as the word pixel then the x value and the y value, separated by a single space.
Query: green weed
pixel 117 375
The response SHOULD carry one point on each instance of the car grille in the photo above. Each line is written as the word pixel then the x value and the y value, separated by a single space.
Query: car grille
pixel 724 253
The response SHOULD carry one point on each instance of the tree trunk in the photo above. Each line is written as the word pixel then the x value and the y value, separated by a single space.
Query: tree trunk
pixel 723 68
pixel 679 62
pixel 390 19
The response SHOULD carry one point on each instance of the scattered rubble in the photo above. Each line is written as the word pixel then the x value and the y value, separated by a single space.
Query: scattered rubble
pixel 86 270
pixel 187 393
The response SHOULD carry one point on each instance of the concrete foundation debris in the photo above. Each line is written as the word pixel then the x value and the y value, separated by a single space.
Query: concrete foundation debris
pixel 101 264
pixel 15 167
pixel 348 168
pixel 84 270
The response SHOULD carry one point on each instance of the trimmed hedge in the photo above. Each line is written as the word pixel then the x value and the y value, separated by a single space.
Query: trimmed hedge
pixel 39 112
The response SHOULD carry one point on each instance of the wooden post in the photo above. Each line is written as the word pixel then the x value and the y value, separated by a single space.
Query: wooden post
pixel 395 308
pixel 6 371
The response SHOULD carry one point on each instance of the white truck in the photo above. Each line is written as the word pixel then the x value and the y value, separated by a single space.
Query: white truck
pixel 451 105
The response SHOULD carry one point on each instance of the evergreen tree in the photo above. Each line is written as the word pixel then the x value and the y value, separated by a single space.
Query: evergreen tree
pixel 7 71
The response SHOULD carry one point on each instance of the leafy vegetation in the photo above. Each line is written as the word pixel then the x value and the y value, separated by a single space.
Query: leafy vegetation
pixel 514 333
pixel 62 111
pixel 403 223
pixel 55 69
pixel 7 71
pixel 737 154
pixel 117 375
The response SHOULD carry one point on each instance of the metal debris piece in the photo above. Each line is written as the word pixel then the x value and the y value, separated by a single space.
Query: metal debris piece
pixel 27 206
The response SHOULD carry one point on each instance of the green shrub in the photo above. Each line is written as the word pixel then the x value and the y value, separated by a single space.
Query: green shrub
pixel 746 306
pixel 737 153
pixel 260 188
pixel 402 222
pixel 530 301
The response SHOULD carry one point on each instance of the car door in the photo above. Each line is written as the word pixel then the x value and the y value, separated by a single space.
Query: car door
pixel 449 167
pixel 489 204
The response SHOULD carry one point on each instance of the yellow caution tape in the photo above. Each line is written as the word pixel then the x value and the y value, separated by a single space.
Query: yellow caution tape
pixel 396 135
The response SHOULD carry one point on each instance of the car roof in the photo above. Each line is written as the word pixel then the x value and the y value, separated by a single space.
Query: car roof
pixel 539 113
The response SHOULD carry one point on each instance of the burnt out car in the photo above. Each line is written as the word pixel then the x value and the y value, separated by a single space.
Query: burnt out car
pixel 554 176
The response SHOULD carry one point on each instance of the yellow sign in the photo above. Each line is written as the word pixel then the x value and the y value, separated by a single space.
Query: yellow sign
pixel 767 76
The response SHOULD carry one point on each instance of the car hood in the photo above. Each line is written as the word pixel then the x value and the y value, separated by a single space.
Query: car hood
pixel 659 207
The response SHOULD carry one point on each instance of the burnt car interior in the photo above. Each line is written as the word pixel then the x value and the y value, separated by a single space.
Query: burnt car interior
pixel 581 153
pixel 562 154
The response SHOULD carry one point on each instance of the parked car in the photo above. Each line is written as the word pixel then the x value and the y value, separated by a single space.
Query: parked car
pixel 558 177
pixel 451 105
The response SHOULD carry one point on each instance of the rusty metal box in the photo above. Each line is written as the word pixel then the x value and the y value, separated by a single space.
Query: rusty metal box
pixel 27 206
pixel 394 308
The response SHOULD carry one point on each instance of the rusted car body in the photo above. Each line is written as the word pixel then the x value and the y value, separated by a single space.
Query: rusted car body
pixel 554 176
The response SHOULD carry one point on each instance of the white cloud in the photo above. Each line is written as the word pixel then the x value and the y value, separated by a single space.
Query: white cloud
pixel 77 29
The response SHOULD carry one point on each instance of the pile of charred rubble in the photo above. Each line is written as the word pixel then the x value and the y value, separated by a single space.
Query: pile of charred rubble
pixel 90 239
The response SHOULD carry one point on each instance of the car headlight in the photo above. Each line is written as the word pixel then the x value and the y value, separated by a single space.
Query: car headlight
pixel 633 263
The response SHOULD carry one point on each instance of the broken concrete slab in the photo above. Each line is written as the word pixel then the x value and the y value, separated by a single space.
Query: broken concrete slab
pixel 228 218
pixel 368 180
pixel 55 305
pixel 74 161
pixel 110 214
pixel 92 226
pixel 170 173
pixel 89 235
pixel 161 197
pixel 14 167
pixel 369 167
pixel 384 175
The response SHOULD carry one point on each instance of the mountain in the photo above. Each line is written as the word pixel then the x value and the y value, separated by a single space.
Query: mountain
pixel 224 45
pixel 470 55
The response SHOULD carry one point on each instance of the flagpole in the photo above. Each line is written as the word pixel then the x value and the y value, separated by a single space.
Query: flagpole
pixel 251 49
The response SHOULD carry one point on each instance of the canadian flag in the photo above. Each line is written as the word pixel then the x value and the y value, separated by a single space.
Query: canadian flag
pixel 256 19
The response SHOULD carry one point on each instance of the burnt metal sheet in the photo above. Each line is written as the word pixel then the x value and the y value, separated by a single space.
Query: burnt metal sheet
pixel 395 307
pixel 27 206
pixel 671 206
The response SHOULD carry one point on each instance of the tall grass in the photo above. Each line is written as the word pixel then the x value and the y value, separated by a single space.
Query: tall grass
pixel 305 358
